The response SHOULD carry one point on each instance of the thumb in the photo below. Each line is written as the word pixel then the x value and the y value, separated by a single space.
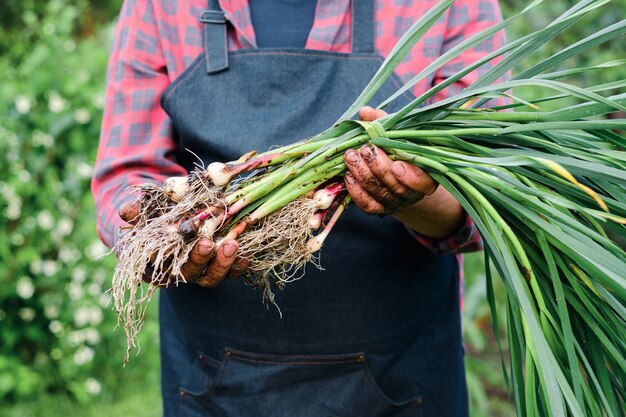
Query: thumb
pixel 369 114
pixel 129 211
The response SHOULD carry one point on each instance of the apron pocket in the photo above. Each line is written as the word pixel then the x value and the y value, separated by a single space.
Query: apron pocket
pixel 199 383
pixel 249 384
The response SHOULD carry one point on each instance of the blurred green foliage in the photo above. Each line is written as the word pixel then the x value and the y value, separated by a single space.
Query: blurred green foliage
pixel 56 325
pixel 597 20
pixel 56 328
pixel 24 23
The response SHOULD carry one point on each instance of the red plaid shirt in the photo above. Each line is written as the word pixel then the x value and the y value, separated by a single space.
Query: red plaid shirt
pixel 157 39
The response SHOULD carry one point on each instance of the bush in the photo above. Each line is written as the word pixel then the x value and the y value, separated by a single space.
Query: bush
pixel 56 324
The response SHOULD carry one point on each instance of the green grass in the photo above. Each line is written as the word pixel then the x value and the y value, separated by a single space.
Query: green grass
pixel 141 399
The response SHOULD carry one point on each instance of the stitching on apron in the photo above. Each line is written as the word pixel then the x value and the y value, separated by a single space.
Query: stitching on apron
pixel 180 81
pixel 348 56
pixel 295 362
pixel 226 46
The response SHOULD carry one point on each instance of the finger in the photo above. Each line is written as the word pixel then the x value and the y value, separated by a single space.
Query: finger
pixel 221 264
pixel 147 275
pixel 369 114
pixel 368 180
pixel 361 197
pixel 239 267
pixel 162 281
pixel 199 256
pixel 129 212
pixel 413 177
pixel 380 164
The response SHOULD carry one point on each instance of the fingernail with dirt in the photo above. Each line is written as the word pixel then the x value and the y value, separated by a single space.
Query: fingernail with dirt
pixel 229 249
pixel 352 157
pixel 368 153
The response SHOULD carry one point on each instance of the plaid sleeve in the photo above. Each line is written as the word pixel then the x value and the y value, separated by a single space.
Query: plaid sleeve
pixel 466 18
pixel 136 142
pixel 466 239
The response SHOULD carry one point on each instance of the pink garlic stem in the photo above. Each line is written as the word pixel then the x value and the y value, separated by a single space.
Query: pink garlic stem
pixel 316 242
pixel 325 197
pixel 236 168
pixel 315 221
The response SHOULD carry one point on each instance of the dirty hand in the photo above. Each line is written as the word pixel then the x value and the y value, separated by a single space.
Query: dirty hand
pixel 379 185
pixel 207 266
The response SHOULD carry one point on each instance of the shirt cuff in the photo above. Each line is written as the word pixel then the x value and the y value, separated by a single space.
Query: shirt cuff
pixel 466 239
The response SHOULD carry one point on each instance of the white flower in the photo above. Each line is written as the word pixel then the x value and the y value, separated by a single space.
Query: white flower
pixel 14 202
pixel 91 336
pixel 92 386
pixel 49 268
pixel 45 220
pixel 84 355
pixel 96 250
pixel 56 103
pixel 81 317
pixel 25 288
pixel 100 276
pixel 69 255
pixel 82 116
pixel 55 326
pixel 27 314
pixel 51 311
pixel 94 289
pixel 23 104
pixel 76 337
pixel 84 170
pixel 63 205
pixel 104 299
pixel 84 315
pixel 17 239
pixel 42 139
pixel 65 226
pixel 79 274
pixel 35 267
pixel 30 224
pixel 75 291
pixel 95 316
pixel 98 100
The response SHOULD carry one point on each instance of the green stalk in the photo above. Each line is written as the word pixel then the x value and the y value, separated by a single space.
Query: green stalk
pixel 307 181
pixel 299 187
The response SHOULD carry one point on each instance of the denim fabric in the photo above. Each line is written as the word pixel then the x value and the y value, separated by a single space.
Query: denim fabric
pixel 280 23
pixel 224 353
pixel 294 385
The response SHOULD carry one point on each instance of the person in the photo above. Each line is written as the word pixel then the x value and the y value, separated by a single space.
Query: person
pixel 377 333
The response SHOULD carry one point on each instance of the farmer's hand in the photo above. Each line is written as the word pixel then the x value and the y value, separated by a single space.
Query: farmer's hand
pixel 379 185
pixel 206 266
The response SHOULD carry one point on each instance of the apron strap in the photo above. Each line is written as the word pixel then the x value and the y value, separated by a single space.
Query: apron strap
pixel 215 39
pixel 363 26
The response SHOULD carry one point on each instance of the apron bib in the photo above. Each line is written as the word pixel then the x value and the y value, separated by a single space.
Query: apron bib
pixel 377 333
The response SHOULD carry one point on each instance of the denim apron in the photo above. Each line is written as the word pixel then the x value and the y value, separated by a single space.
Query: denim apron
pixel 377 333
